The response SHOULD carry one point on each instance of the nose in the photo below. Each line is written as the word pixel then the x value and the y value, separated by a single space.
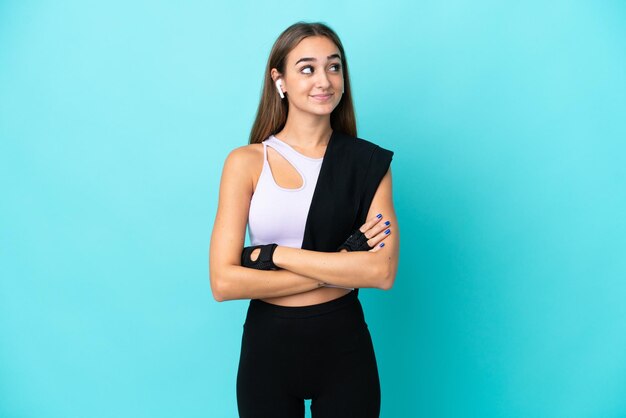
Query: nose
pixel 322 81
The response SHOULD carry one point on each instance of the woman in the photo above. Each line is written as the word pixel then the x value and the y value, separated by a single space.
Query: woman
pixel 304 184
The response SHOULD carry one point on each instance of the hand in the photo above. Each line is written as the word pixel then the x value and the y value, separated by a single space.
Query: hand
pixel 367 237
pixel 262 257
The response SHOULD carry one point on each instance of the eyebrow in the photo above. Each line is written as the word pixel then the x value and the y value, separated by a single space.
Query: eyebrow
pixel 314 59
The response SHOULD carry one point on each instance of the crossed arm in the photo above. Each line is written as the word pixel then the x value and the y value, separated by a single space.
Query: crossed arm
pixel 301 270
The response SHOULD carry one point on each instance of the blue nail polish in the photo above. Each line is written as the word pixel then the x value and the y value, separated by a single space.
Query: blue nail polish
pixel 382 244
pixel 379 216
pixel 387 231
pixel 387 223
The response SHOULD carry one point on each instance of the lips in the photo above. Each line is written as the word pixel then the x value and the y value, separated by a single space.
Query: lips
pixel 322 97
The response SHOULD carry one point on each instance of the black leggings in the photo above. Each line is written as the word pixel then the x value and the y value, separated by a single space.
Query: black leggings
pixel 321 352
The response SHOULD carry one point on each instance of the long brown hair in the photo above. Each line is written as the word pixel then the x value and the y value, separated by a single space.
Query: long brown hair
pixel 271 115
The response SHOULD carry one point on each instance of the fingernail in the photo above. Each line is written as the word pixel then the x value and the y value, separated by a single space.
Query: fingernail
pixel 382 244
pixel 387 231
pixel 387 223
pixel 379 216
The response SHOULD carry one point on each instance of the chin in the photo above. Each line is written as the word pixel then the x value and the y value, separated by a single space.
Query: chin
pixel 325 109
pixel 320 112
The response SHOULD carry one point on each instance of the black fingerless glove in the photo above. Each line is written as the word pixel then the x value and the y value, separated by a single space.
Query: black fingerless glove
pixel 264 260
pixel 356 242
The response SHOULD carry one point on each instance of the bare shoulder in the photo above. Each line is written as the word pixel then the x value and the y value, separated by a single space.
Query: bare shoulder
pixel 245 154
pixel 244 159
pixel 245 163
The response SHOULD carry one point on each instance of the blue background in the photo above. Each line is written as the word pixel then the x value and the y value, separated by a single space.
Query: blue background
pixel 507 122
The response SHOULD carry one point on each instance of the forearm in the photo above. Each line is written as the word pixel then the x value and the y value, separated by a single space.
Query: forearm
pixel 359 269
pixel 236 282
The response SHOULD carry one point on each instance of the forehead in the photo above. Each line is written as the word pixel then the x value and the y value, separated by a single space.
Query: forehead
pixel 314 47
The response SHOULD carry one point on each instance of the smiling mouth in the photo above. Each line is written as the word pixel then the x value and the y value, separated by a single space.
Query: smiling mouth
pixel 322 96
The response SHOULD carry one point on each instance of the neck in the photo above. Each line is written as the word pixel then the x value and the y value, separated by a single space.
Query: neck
pixel 306 131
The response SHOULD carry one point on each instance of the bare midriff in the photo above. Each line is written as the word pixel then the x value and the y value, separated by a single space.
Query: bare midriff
pixel 312 297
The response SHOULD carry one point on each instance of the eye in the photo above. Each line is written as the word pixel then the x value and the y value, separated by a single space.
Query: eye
pixel 309 67
pixel 338 67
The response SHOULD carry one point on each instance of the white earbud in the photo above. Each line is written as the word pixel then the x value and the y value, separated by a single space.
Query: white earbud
pixel 279 83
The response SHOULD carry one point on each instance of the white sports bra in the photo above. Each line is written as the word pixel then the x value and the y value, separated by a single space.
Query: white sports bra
pixel 277 214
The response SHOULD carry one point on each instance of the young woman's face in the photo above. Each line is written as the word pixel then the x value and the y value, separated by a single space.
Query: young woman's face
pixel 313 76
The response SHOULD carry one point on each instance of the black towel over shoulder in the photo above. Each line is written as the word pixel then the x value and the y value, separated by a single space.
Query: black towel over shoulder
pixel 349 177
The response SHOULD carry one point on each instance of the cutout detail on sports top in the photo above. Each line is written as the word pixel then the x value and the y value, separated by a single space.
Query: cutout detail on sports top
pixel 266 161
pixel 295 151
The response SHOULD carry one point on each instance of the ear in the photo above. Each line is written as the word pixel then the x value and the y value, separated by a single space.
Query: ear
pixel 275 74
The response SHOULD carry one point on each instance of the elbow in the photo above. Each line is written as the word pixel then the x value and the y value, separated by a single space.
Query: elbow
pixel 218 288
pixel 386 278
pixel 218 297
pixel 217 292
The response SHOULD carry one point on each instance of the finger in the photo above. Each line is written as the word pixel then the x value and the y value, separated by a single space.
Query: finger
pixel 370 223
pixel 375 231
pixel 377 247
pixel 379 227
pixel 376 239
